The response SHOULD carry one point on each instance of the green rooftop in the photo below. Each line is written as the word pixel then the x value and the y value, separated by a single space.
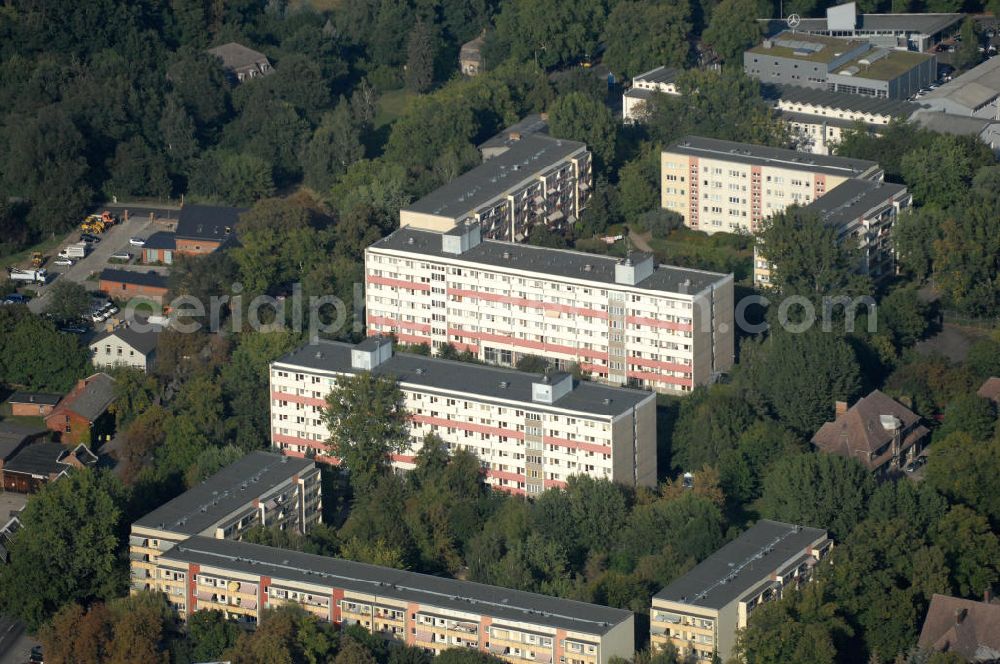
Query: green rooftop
pixel 829 47
pixel 893 65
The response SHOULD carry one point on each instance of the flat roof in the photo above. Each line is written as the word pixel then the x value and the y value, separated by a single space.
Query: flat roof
pixel 225 492
pixel 798 94
pixel 659 75
pixel 976 87
pixel 151 278
pixel 41 398
pixel 565 263
pixel 534 123
pixel 733 570
pixel 851 199
pixel 892 65
pixel 207 222
pixel 430 591
pixel 747 153
pixel 489 382
pixel 525 158
pixel 806 47
pixel 927 24
pixel 949 123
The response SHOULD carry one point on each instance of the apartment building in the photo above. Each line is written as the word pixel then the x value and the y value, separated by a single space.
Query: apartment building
pixel 622 321
pixel 530 431
pixel 726 186
pixel 644 86
pixel 260 489
pixel 424 611
pixel 536 180
pixel 817 119
pixel 700 612
pixel 851 66
pixel 863 212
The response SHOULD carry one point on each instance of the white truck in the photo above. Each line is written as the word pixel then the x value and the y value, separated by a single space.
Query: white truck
pixel 35 276
pixel 78 250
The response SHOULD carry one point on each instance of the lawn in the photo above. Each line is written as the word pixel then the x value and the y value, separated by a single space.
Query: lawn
pixel 721 252
pixel 23 258
pixel 391 105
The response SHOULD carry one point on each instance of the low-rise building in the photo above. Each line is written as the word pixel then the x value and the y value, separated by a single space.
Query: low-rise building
pixel 914 32
pixel 964 627
pixel 82 415
pixel 159 248
pixel 644 86
pixel 126 345
pixel 986 130
pixel 470 56
pixel 537 180
pixel 37 464
pixel 828 63
pixel 127 284
pixel 241 63
pixel 623 321
pixel 430 612
pixel 32 404
pixel 700 612
pixel 864 213
pixel 727 186
pixel 14 437
pixel 531 432
pixel 201 229
pixel 881 433
pixel 976 93
pixel 261 489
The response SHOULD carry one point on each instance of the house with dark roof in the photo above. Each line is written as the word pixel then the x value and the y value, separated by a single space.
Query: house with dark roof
pixel 966 627
pixel 32 404
pixel 661 80
pixel 82 416
pixel 159 248
pixel 13 437
pixel 41 463
pixel 132 344
pixel 877 430
pixel 126 284
pixel 241 63
pixel 201 229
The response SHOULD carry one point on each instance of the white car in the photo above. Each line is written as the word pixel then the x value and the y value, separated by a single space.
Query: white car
pixel 136 241
pixel 123 256
pixel 63 261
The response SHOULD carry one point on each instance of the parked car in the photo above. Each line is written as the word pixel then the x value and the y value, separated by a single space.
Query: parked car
pixel 62 260
pixel 16 298
pixel 73 329
pixel 36 656
pixel 99 316
pixel 87 237
pixel 915 465
pixel 136 241
pixel 121 256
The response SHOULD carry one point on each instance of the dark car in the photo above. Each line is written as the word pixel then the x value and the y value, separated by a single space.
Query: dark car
pixel 36 656
pixel 87 237
pixel 915 465
pixel 73 329
pixel 16 298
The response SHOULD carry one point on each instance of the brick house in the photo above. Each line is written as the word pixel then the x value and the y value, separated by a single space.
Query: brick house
pixel 41 463
pixel 159 248
pixel 126 284
pixel 32 404
pixel 877 430
pixel 13 438
pixel 201 229
pixel 82 416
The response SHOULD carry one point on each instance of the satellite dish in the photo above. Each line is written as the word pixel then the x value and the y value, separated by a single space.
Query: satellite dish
pixel 793 20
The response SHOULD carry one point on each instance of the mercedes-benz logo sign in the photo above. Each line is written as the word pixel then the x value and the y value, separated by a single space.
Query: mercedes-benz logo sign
pixel 793 20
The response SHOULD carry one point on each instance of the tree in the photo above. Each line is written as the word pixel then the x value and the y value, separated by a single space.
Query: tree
pixel 209 633
pixel 233 178
pixel 799 376
pixel 960 467
pixel 34 355
pixel 971 549
pixel 904 317
pixel 632 48
pixel 67 301
pixel 732 29
pixel 333 147
pixel 532 364
pixel 819 490
pixel 367 423
pixel 638 182
pixel 541 235
pixel 914 234
pixel 201 86
pixel 420 56
pixel 137 170
pixel 534 30
pixel 709 423
pixel 285 635
pixel 53 560
pixel 967 55
pixel 135 392
pixel 958 157
pixel 808 258
pixel 579 118
pixel 970 414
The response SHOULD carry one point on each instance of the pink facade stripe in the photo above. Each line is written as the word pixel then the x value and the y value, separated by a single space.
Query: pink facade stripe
pixel 531 304
pixel 467 426
pixel 526 343
pixel 295 440
pixel 662 324
pixel 645 375
pixel 577 445
pixel 408 325
pixel 400 336
pixel 658 364
pixel 295 398
pixel 397 283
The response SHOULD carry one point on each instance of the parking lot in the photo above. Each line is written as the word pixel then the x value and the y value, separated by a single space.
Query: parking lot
pixel 113 241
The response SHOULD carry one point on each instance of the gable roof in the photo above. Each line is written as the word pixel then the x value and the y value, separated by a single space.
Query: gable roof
pixel 207 222
pixel 47 459
pixel 237 56
pixel 152 279
pixel 13 435
pixel 968 628
pixel 859 433
pixel 141 341
pixel 90 398
pixel 990 389
pixel 40 398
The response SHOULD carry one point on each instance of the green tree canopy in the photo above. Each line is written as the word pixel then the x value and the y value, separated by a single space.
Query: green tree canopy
pixel 580 118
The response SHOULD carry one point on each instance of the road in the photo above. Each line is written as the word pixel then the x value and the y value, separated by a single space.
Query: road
pixel 113 241
pixel 15 645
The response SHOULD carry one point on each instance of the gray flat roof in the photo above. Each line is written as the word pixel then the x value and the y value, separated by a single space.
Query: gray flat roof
pixel 972 89
pixel 529 124
pixel 737 567
pixel 949 123
pixel 641 93
pixel 488 382
pixel 927 24
pixel 225 492
pixel 659 75
pixel 839 100
pixel 550 262
pixel 747 153
pixel 527 157
pixel 430 591
pixel 851 199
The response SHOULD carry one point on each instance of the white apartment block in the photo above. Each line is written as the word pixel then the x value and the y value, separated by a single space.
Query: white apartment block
pixel 864 213
pixel 532 179
pixel 261 489
pixel 644 86
pixel 727 186
pixel 531 432
pixel 622 321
